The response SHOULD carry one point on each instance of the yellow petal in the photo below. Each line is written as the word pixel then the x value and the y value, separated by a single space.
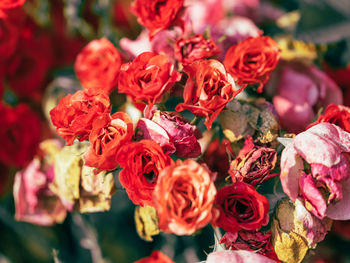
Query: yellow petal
pixel 146 220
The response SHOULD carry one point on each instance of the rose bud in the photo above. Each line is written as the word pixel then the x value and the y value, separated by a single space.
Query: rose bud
pixel 35 202
pixel 147 78
pixel 252 60
pixel 208 89
pixel 173 133
pixel 156 257
pixel 216 157
pixel 295 230
pixel 157 15
pixel 78 187
pixel 230 256
pixel 97 66
pixel 335 114
pixel 188 50
pixel 184 197
pixel 18 147
pixel 300 92
pixel 74 114
pixel 108 133
pixel 315 168
pixel 241 207
pixel 141 162
pixel 254 164
pixel 258 242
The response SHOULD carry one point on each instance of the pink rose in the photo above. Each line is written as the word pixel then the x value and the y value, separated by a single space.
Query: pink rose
pixel 237 256
pixel 301 91
pixel 315 168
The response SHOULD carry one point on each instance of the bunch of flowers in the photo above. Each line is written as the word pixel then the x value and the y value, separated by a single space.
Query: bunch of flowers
pixel 215 128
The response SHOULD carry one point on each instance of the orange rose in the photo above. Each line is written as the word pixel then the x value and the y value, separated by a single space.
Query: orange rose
pixel 147 78
pixel 252 60
pixel 97 65
pixel 156 257
pixel 184 197
pixel 157 15
pixel 142 162
pixel 107 135
pixel 208 89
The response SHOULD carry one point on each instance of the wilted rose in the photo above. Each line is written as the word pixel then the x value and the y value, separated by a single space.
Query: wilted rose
pixel 172 132
pixel 97 65
pixel 74 114
pixel 184 197
pixel 255 241
pixel 252 60
pixel 208 89
pixel 188 50
pixel 241 207
pixel 141 162
pixel 315 168
pixel 254 164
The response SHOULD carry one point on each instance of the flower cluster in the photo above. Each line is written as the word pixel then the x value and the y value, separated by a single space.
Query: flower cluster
pixel 204 127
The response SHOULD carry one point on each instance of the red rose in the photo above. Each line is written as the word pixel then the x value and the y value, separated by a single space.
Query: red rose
pixel 141 162
pixel 19 133
pixel 28 67
pixel 97 65
pixel 147 78
pixel 252 60
pixel 74 114
pixel 335 114
pixel 217 157
pixel 107 135
pixel 252 241
pixel 184 197
pixel 208 89
pixel 157 15
pixel 9 4
pixel 9 34
pixel 241 207
pixel 254 164
pixel 155 257
pixel 188 50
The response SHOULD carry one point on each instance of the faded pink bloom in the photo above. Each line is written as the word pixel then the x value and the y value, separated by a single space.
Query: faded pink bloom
pixel 301 91
pixel 315 168
pixel 34 201
pixel 172 132
pixel 237 256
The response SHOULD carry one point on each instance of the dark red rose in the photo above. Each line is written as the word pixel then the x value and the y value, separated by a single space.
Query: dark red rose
pixel 27 69
pixel 74 114
pixel 19 134
pixel 9 34
pixel 258 242
pixel 155 257
pixel 97 65
pixel 188 50
pixel 208 89
pixel 335 114
pixel 252 60
pixel 254 164
pixel 147 78
pixel 157 15
pixel 108 134
pixel 217 157
pixel 241 207
pixel 141 162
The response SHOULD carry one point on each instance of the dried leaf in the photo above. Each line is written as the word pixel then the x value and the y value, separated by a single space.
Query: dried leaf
pixel 146 220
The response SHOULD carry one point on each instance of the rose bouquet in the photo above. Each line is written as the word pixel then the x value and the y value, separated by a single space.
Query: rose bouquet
pixel 228 142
